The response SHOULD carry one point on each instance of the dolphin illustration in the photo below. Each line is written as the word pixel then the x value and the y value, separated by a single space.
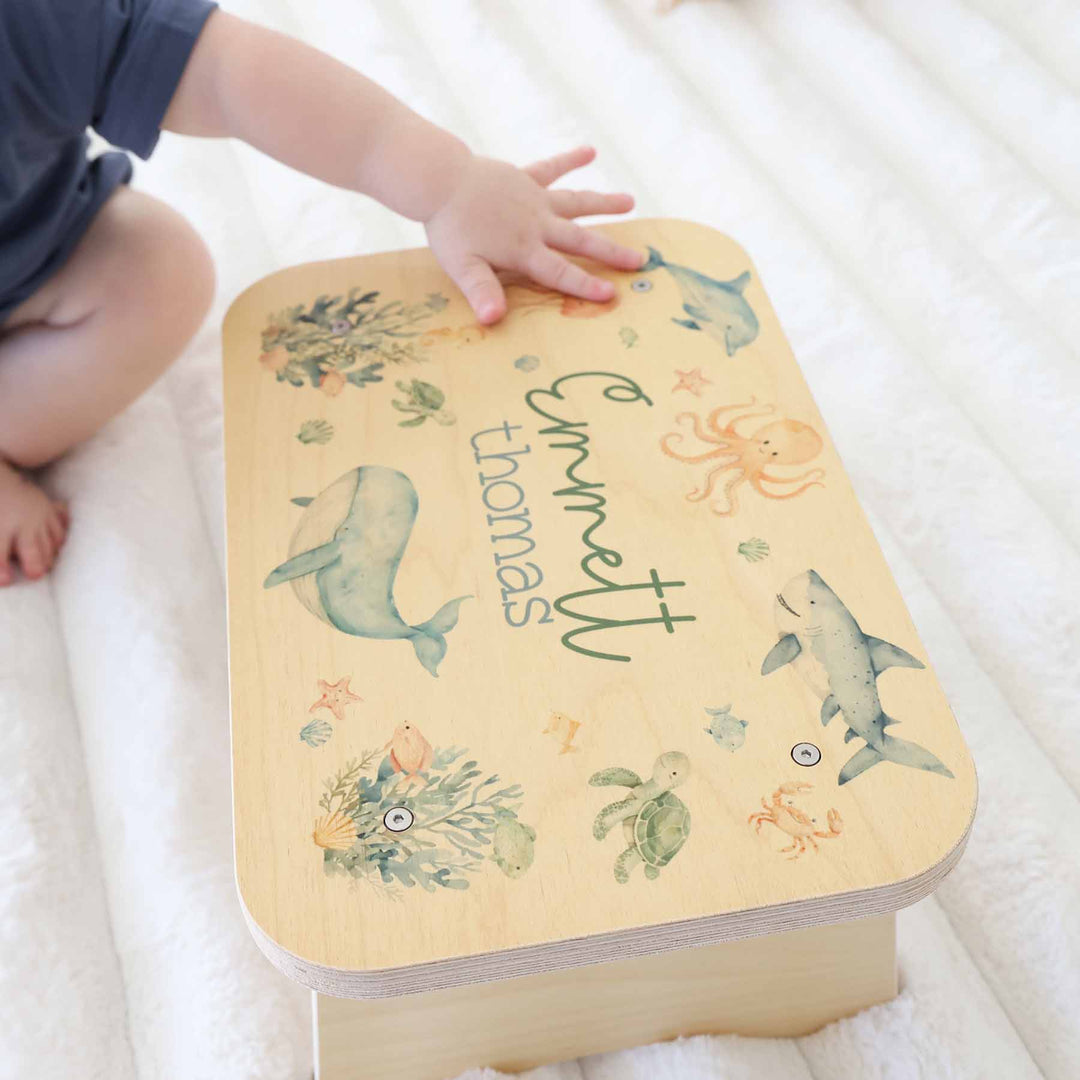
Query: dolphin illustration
pixel 819 636
pixel 344 556
pixel 717 307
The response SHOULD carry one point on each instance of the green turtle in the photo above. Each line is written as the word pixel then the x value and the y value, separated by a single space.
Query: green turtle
pixel 656 822
pixel 513 846
pixel 423 399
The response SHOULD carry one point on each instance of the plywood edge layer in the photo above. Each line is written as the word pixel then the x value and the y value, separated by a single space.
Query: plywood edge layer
pixel 605 948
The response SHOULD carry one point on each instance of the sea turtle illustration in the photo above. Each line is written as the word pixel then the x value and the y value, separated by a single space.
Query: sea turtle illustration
pixel 424 400
pixel 656 823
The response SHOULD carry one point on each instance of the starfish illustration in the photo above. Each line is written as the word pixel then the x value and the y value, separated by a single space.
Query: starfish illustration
pixel 693 381
pixel 335 696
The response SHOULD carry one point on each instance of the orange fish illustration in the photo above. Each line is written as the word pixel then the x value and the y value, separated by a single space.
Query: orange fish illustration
pixel 453 335
pixel 522 294
pixel 410 752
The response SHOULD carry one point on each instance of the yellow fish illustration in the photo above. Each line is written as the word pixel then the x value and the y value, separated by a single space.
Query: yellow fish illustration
pixel 563 728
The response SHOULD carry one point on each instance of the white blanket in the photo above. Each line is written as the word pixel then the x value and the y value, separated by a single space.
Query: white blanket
pixel 906 175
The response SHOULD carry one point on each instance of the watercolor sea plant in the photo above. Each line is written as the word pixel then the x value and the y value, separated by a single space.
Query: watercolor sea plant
pixel 655 822
pixel 337 341
pixel 462 820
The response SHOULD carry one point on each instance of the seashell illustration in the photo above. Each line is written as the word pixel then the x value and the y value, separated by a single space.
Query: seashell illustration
pixel 527 363
pixel 754 550
pixel 316 733
pixel 315 431
pixel 628 336
pixel 336 831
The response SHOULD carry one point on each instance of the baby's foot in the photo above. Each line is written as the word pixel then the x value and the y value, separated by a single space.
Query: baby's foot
pixel 32 526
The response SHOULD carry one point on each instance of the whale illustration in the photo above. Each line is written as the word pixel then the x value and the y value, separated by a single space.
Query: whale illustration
pixel 841 664
pixel 717 307
pixel 344 557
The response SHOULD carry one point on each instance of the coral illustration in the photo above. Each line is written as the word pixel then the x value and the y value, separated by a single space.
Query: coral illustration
pixel 461 819
pixel 338 341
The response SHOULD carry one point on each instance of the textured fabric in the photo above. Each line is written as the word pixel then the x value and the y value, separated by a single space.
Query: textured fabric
pixel 905 175
pixel 66 65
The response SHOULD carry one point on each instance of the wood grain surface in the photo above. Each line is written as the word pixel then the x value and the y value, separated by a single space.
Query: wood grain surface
pixel 639 610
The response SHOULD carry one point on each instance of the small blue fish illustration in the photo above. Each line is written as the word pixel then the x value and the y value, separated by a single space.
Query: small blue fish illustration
pixel 728 731
pixel 717 307
pixel 345 554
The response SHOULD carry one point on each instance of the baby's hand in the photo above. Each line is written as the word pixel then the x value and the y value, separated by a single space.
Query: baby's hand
pixel 499 216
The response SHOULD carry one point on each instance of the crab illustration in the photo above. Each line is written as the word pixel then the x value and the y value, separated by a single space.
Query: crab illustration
pixel 424 400
pixel 788 818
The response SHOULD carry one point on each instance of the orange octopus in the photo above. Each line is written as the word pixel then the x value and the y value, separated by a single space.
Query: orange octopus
pixel 781 442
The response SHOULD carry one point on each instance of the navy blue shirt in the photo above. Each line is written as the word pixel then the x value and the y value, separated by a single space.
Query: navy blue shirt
pixel 65 66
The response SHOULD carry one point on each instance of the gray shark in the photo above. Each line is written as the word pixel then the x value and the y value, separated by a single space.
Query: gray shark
pixel 345 555
pixel 841 664
pixel 716 307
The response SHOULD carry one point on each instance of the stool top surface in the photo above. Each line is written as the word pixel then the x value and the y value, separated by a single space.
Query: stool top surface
pixel 557 633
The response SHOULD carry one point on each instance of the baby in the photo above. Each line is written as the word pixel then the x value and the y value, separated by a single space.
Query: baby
pixel 101 287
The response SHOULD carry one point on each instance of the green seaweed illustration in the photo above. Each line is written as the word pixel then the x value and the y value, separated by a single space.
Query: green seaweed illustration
pixel 336 341
pixel 461 820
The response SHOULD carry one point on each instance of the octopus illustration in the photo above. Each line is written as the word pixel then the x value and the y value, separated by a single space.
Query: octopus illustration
pixel 748 457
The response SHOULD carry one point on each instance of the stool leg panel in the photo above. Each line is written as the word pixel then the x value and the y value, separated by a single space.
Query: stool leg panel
pixel 780 985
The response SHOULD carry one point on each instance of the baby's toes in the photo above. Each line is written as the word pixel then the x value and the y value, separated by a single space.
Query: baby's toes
pixel 7 573
pixel 56 526
pixel 34 554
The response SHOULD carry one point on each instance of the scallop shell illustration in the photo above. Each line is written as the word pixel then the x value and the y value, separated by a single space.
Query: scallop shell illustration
pixel 316 733
pixel 336 831
pixel 754 550
pixel 316 431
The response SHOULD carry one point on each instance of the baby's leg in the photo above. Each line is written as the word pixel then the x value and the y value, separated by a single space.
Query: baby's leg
pixel 93 338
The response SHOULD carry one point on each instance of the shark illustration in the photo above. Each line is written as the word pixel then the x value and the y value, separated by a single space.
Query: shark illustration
pixel 841 664
pixel 717 307
pixel 344 556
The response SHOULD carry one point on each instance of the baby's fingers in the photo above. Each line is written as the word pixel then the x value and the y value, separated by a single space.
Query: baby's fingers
pixel 549 170
pixel 548 268
pixel 475 278
pixel 575 240
pixel 572 204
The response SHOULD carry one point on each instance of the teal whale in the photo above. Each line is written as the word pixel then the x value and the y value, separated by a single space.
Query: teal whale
pixel 716 307
pixel 345 554
pixel 841 664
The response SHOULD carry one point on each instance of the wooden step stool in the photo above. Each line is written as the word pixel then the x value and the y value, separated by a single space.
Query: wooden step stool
pixel 562 657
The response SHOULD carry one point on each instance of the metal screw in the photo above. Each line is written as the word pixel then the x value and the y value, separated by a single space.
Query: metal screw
pixel 805 753
pixel 398 818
